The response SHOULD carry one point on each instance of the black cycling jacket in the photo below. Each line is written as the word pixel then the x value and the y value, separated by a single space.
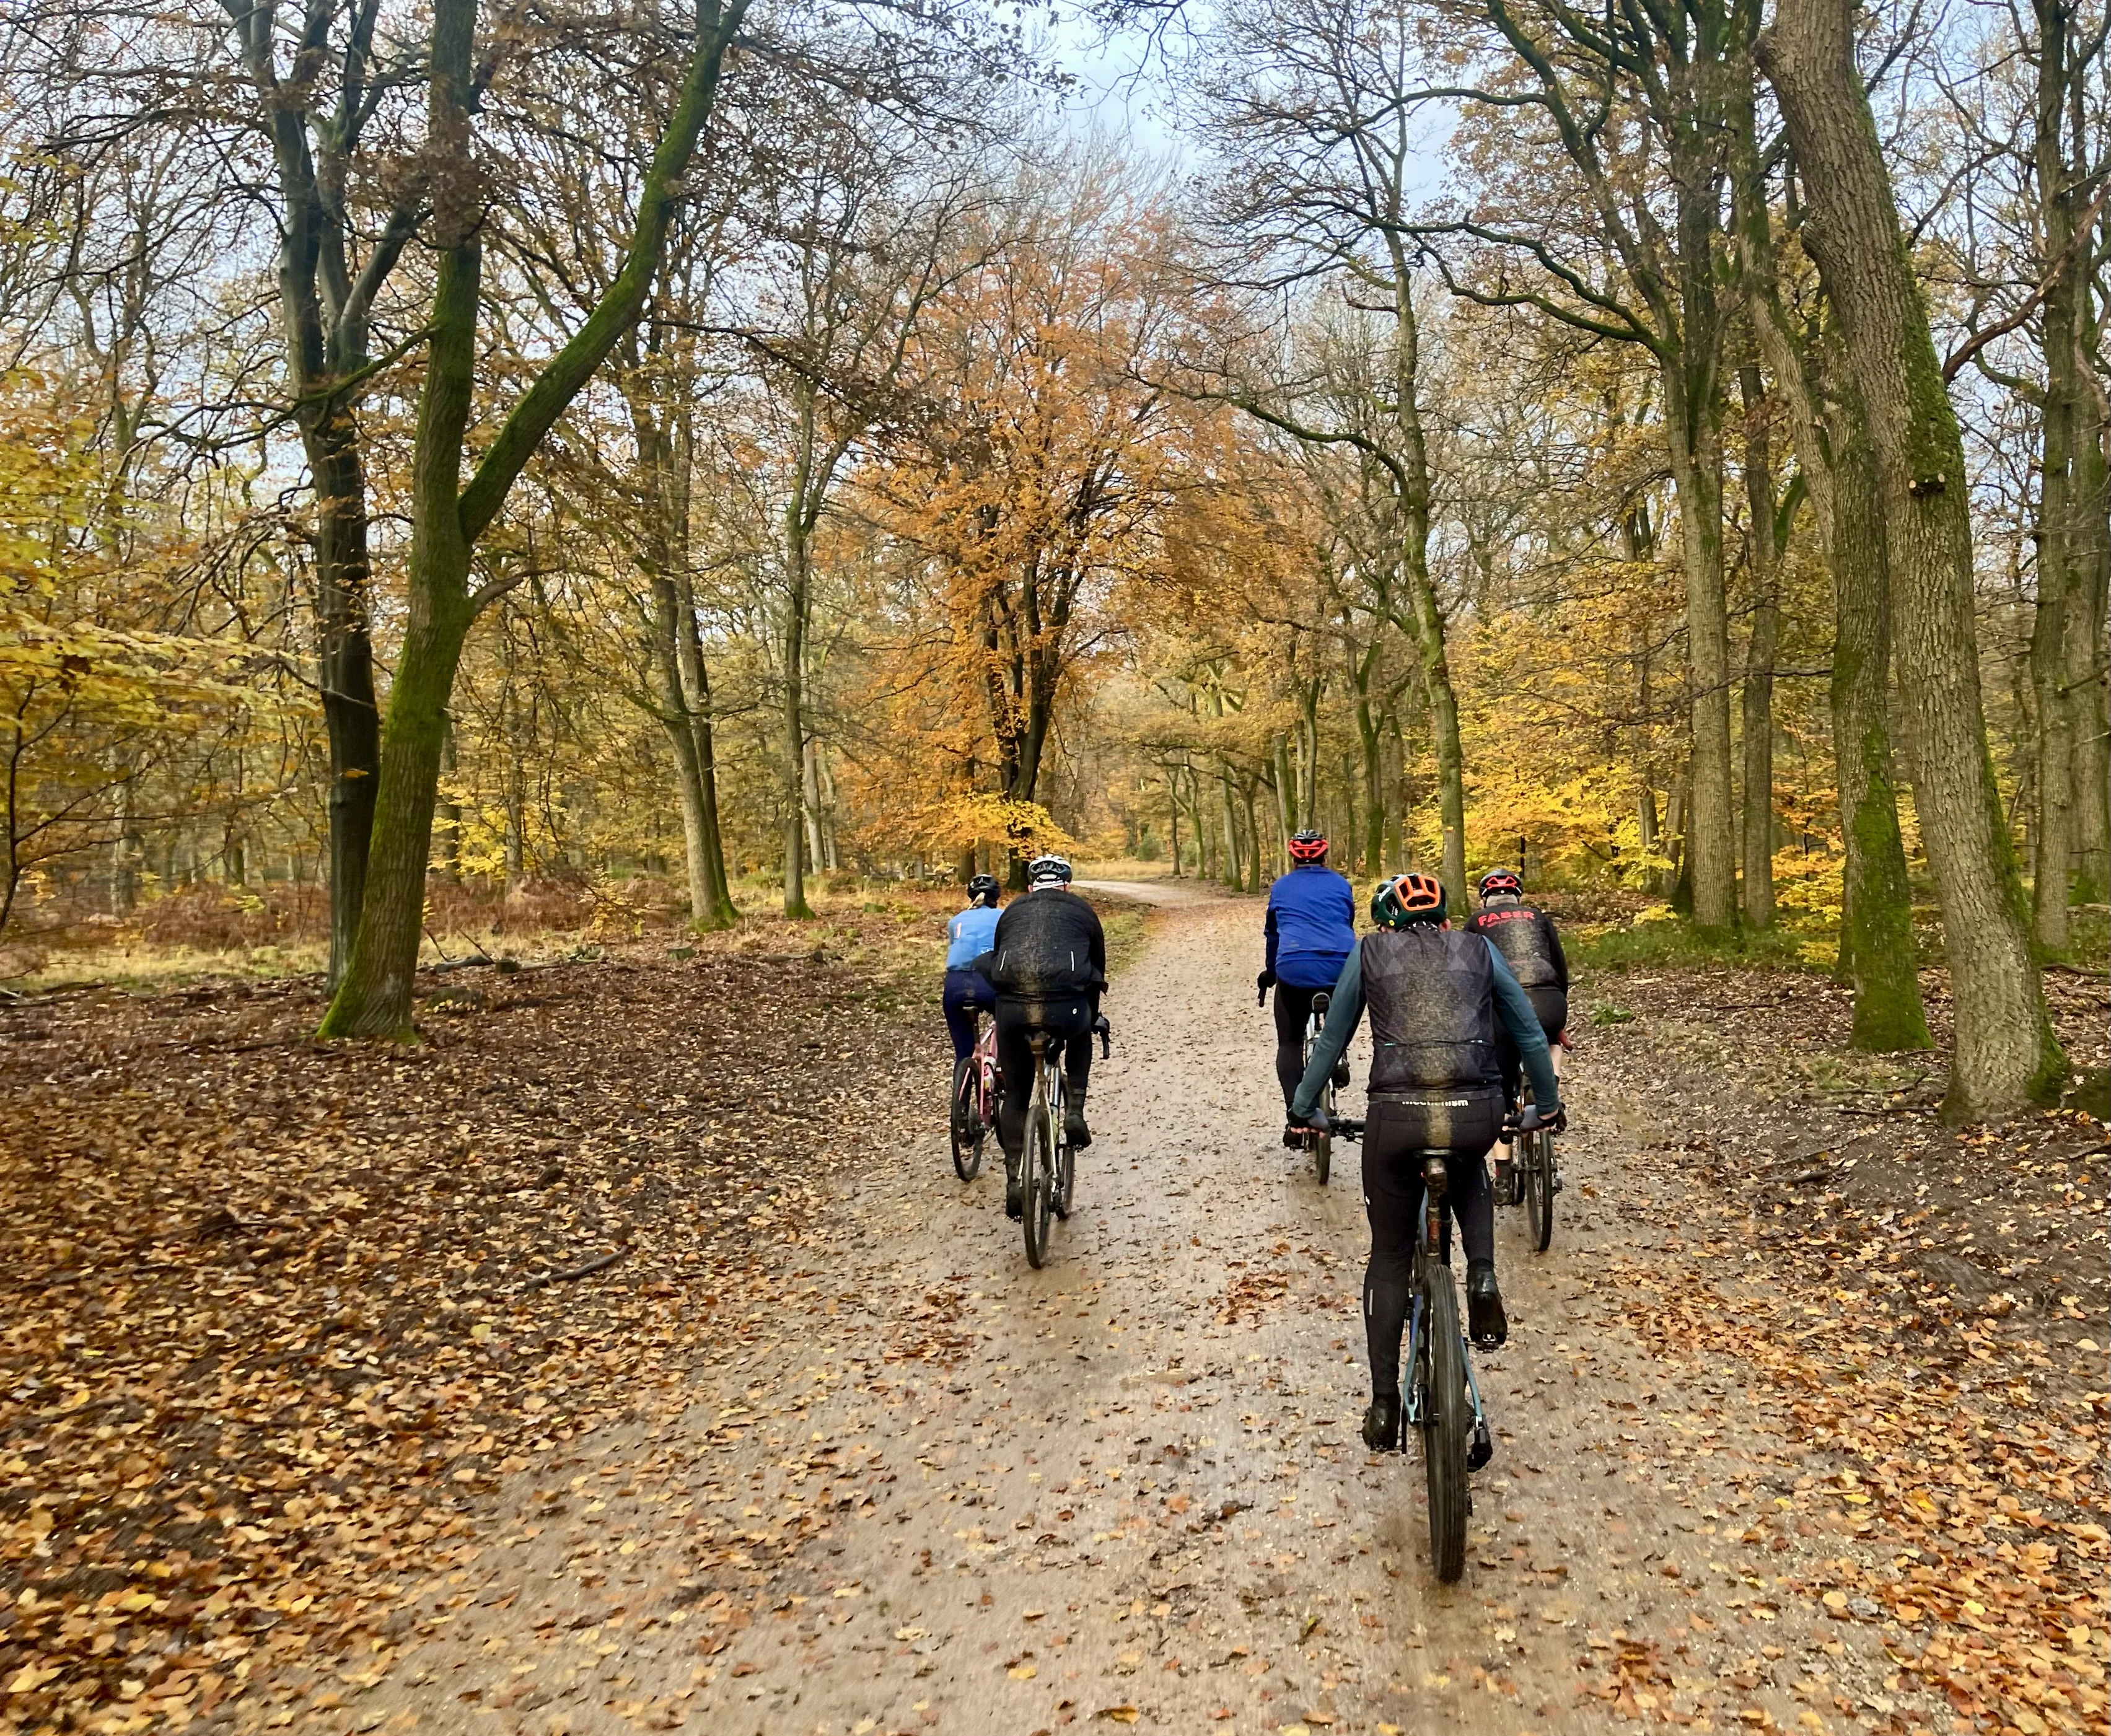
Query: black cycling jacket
pixel 1049 946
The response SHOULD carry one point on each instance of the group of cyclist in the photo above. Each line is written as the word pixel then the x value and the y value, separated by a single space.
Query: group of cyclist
pixel 1039 963
pixel 1459 1017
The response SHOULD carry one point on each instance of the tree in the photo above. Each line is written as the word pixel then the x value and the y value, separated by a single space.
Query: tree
pixel 2005 1054
pixel 449 518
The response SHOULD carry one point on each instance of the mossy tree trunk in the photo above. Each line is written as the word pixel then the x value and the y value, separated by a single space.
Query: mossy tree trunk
pixel 373 999
pixel 2005 1054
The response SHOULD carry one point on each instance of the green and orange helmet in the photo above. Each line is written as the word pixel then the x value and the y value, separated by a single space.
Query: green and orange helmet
pixel 1407 899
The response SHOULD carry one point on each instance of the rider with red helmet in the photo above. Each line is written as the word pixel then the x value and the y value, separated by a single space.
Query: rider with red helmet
pixel 1311 929
pixel 1437 998
pixel 1525 935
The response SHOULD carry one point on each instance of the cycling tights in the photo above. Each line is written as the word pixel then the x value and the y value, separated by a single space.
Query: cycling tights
pixel 1392 1199
pixel 1293 1013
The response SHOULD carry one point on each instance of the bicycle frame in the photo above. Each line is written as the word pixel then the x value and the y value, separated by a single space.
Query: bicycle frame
pixel 1434 1243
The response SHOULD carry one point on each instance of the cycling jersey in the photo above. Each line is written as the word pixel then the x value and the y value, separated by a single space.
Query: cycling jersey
pixel 1311 926
pixel 1524 936
pixel 969 935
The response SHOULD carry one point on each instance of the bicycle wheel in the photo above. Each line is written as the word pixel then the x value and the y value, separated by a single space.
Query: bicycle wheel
pixel 1037 1185
pixel 1323 1144
pixel 1066 1178
pixel 1447 1420
pixel 1538 1180
pixel 968 1129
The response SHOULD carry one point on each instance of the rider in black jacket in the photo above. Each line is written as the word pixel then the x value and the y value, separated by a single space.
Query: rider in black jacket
pixel 1048 963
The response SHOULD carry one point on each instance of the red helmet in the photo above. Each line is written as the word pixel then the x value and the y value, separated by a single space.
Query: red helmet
pixel 1308 846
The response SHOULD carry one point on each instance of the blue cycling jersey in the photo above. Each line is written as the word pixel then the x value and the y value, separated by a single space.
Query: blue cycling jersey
pixel 1311 926
pixel 970 934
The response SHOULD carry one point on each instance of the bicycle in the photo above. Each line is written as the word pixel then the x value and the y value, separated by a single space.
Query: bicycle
pixel 1528 1176
pixel 975 1089
pixel 1443 1396
pixel 1048 1166
pixel 1320 1141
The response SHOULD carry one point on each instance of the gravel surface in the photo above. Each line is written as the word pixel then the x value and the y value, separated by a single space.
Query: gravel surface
pixel 920 1486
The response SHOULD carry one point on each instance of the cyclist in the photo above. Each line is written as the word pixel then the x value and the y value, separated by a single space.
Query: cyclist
pixel 1436 997
pixel 1048 963
pixel 968 993
pixel 1311 930
pixel 1525 935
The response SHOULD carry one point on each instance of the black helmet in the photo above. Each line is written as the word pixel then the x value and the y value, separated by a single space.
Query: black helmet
pixel 983 890
pixel 1047 871
pixel 1501 883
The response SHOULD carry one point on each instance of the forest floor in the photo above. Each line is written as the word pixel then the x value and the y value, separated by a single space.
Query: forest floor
pixel 627 1355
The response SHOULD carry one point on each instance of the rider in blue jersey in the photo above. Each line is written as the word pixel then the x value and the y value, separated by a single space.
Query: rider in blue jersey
pixel 968 992
pixel 1311 931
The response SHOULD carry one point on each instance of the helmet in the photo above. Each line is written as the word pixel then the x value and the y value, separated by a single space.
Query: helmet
pixel 983 890
pixel 1308 846
pixel 1405 899
pixel 1047 871
pixel 1501 883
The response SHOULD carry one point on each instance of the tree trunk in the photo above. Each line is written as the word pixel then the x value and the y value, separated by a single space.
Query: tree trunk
pixel 447 811
pixel 675 719
pixel 2088 671
pixel 793 740
pixel 2005 1053
pixel 1696 470
pixel 351 718
pixel 2067 540
pixel 1876 950
pixel 1759 694
pixel 1426 624
pixel 719 911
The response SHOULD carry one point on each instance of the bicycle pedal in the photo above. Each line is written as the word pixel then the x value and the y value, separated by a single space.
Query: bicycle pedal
pixel 1479 1454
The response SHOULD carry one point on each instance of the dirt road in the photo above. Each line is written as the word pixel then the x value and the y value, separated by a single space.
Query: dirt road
pixel 940 1491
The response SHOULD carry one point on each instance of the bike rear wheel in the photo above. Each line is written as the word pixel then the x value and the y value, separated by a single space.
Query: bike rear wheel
pixel 1323 1144
pixel 1066 1176
pixel 968 1129
pixel 1447 1420
pixel 1037 1184
pixel 1538 1180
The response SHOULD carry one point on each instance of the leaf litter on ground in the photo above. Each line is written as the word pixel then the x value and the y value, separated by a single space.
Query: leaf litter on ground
pixel 280 1315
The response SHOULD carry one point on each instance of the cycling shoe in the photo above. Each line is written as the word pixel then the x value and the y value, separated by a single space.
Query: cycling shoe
pixel 1341 1074
pixel 1486 1323
pixel 1076 1135
pixel 1015 1200
pixel 1382 1425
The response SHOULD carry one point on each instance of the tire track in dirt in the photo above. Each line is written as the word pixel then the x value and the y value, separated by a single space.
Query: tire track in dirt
pixel 922 1486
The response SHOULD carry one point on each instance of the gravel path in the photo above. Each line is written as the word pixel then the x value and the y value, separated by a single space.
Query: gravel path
pixel 923 1487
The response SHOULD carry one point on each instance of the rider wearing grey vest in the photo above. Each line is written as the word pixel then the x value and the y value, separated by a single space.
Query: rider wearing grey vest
pixel 1526 938
pixel 1436 999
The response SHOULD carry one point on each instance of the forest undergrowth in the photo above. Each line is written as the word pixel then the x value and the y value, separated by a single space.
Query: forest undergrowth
pixel 281 1314
pixel 1929 1306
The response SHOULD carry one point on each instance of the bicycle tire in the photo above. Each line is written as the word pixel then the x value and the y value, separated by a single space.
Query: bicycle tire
pixel 1066 1178
pixel 1538 1180
pixel 1037 1184
pixel 1447 1424
pixel 968 1128
pixel 1323 1144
